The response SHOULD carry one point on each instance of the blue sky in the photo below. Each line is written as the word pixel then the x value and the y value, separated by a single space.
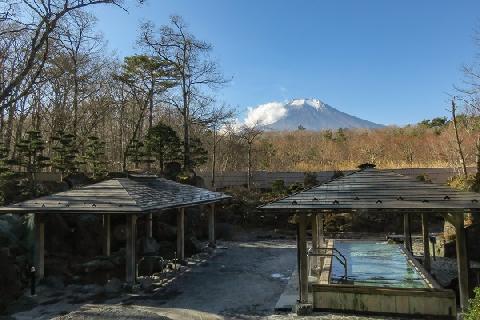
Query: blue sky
pixel 392 62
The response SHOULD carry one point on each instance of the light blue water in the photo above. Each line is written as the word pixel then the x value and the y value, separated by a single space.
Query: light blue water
pixel 376 264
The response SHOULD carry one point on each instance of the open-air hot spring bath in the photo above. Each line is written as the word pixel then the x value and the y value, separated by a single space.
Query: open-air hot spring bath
pixel 373 263
pixel 381 278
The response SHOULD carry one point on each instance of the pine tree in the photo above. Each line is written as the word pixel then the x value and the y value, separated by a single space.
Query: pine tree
pixel 30 155
pixel 65 153
pixel 163 143
pixel 136 152
pixel 198 155
pixel 5 164
pixel 95 157
pixel 6 172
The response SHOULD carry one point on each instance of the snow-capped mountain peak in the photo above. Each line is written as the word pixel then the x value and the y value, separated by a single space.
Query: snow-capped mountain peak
pixel 317 104
pixel 311 114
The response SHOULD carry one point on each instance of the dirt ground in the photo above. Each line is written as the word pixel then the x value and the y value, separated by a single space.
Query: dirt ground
pixel 242 280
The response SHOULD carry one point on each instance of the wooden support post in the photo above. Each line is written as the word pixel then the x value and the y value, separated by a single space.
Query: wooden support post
pixel 321 236
pixel 302 259
pixel 406 232
pixel 106 235
pixel 426 243
pixel 462 263
pixel 181 234
pixel 150 225
pixel 314 232
pixel 211 225
pixel 39 257
pixel 131 261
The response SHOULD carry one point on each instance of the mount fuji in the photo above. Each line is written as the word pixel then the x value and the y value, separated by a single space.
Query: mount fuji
pixel 310 114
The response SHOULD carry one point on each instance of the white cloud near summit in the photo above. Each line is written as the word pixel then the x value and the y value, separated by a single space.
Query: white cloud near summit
pixel 265 114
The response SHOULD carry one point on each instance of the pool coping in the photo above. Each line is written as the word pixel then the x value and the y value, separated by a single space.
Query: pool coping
pixel 427 277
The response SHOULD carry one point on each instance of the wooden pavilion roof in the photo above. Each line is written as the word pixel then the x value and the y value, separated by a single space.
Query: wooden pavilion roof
pixel 373 189
pixel 122 195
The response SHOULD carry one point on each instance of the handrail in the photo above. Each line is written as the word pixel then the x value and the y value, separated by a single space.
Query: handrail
pixel 340 255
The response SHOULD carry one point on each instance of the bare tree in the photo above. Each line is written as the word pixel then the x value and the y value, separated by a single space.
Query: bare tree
pixel 461 155
pixel 82 46
pixel 37 20
pixel 197 73
pixel 221 116
pixel 249 133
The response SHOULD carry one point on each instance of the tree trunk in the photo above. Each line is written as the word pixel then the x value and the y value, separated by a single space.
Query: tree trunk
pixel 9 129
pixel 186 143
pixel 75 101
pixel 150 122
pixel 214 157
pixel 477 147
pixel 249 178
pixel 459 142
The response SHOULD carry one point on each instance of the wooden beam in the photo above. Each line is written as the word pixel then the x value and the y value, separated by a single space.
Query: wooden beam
pixel 407 232
pixel 426 243
pixel 150 225
pixel 131 263
pixel 211 225
pixel 39 256
pixel 462 263
pixel 302 259
pixel 181 234
pixel 106 235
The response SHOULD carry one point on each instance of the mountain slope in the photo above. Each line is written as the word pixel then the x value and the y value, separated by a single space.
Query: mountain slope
pixel 311 114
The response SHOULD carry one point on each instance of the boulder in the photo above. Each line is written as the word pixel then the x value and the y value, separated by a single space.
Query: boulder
pixel 146 283
pixel 100 263
pixel 192 246
pixel 150 246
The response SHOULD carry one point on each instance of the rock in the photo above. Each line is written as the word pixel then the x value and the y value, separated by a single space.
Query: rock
pixel 146 283
pixel 113 286
pixel 150 246
pixel 192 246
pixel 303 309
pixel 104 264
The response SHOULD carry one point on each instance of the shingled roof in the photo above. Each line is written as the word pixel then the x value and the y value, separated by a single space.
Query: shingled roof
pixel 372 189
pixel 122 195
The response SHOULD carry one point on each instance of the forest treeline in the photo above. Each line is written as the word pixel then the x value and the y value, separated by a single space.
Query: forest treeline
pixel 67 104
pixel 430 143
